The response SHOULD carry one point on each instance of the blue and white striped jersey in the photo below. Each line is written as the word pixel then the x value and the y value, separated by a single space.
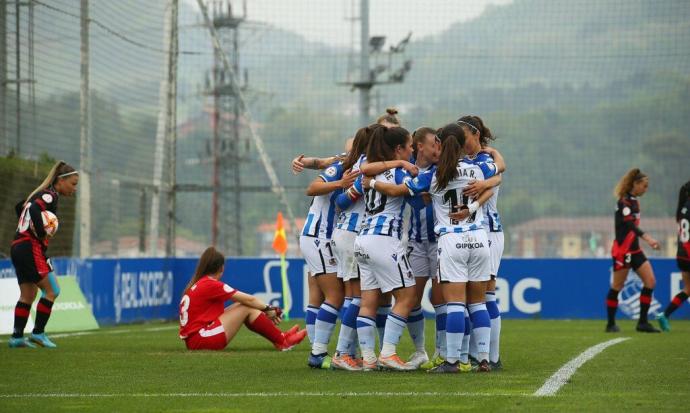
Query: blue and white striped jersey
pixel 422 220
pixel 384 214
pixel 451 197
pixel 493 219
pixel 351 218
pixel 321 217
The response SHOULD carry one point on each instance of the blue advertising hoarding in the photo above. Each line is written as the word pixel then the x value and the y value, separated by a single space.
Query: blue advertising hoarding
pixel 131 290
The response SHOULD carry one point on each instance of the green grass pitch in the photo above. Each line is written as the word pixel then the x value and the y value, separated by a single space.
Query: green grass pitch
pixel 146 368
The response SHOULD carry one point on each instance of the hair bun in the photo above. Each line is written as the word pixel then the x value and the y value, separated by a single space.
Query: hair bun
pixel 392 111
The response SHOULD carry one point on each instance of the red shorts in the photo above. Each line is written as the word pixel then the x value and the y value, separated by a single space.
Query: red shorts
pixel 211 337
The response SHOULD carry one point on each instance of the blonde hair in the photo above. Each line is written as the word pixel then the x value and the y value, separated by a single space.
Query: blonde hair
pixel 60 168
pixel 391 116
pixel 626 182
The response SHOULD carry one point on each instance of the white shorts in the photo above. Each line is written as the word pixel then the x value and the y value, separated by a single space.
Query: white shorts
pixel 318 253
pixel 496 249
pixel 464 257
pixel 382 263
pixel 423 258
pixel 343 243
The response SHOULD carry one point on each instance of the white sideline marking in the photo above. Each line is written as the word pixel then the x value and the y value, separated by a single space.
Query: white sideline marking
pixel 263 394
pixel 559 378
pixel 122 331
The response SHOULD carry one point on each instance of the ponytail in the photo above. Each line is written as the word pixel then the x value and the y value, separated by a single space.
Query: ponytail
pixel 59 170
pixel 383 142
pixel 682 199
pixel 359 145
pixel 210 262
pixel 452 140
pixel 626 182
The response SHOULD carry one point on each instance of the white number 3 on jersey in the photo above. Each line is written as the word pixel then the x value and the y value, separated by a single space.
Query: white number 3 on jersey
pixel 184 306
pixel 24 219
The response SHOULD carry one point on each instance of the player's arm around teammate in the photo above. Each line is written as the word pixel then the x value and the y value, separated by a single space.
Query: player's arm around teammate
pixel 317 249
pixel 350 218
pixel 464 258
pixel 626 251
pixel 29 258
pixel 205 323
pixel 475 128
pixel 421 245
pixel 380 255
pixel 682 255
pixel 301 162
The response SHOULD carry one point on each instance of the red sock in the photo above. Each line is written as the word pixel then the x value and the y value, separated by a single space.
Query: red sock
pixel 264 326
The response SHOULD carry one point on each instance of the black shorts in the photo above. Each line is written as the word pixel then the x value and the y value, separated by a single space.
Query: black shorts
pixel 633 261
pixel 683 264
pixel 30 263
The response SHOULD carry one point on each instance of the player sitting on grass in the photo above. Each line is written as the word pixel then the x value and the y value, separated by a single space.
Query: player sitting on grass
pixel 205 323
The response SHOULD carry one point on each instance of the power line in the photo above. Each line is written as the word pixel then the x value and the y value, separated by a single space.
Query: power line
pixel 113 32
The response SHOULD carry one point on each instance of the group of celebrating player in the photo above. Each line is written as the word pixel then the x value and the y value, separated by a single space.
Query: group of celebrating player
pixel 359 260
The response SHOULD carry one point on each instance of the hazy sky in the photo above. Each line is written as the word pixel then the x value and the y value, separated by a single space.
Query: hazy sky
pixel 326 20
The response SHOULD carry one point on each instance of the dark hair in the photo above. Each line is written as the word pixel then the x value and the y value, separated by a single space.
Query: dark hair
pixel 477 124
pixel 60 168
pixel 359 145
pixel 418 137
pixel 626 182
pixel 452 138
pixel 683 196
pixel 383 142
pixel 391 116
pixel 210 262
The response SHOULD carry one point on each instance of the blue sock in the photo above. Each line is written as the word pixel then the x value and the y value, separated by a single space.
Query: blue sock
pixel 464 351
pixel 481 327
pixel 441 317
pixel 415 324
pixel 366 328
pixel 395 325
pixel 310 319
pixel 348 328
pixel 495 316
pixel 343 309
pixel 455 330
pixel 381 317
pixel 323 328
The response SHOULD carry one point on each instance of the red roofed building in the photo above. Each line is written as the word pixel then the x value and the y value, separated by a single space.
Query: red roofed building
pixel 582 237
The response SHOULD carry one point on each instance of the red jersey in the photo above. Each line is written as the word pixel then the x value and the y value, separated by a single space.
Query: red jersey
pixel 627 226
pixel 45 200
pixel 202 304
pixel 684 232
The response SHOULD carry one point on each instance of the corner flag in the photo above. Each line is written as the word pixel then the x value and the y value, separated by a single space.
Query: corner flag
pixel 279 239
pixel 280 246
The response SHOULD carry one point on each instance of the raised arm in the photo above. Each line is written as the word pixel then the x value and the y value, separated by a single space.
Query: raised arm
pixel 322 186
pixel 498 158
pixel 375 168
pixel 301 162
pixel 385 187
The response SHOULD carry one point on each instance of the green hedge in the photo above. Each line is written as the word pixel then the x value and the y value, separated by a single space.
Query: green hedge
pixel 20 177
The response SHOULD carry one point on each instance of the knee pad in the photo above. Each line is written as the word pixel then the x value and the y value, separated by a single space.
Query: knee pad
pixel 53 283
